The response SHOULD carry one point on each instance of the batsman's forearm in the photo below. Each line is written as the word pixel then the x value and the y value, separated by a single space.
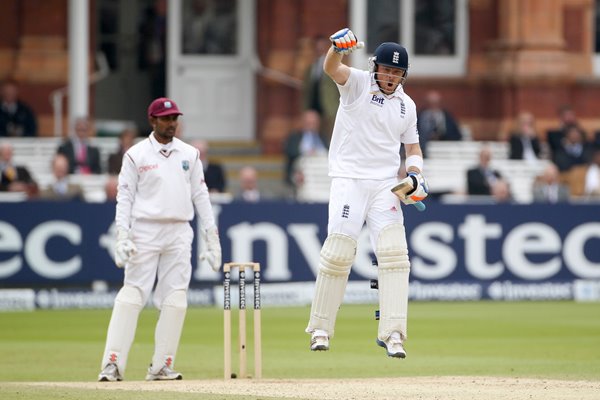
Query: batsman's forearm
pixel 333 66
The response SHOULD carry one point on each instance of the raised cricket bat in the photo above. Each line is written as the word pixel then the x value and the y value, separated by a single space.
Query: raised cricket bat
pixel 401 189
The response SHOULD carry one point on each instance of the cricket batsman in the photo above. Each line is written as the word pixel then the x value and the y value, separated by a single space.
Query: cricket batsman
pixel 374 118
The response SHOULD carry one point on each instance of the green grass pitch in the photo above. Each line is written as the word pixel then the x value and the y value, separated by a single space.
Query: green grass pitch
pixel 556 340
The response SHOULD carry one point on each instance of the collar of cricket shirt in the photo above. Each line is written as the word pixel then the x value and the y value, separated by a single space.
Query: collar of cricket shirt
pixel 399 92
pixel 163 149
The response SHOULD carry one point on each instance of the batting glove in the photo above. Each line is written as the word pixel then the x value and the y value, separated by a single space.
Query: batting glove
pixel 124 249
pixel 420 189
pixel 344 41
pixel 212 248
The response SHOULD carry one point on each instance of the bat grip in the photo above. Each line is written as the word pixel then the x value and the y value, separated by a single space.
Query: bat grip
pixel 419 205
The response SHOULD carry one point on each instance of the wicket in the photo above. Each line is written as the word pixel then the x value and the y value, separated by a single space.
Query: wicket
pixel 242 319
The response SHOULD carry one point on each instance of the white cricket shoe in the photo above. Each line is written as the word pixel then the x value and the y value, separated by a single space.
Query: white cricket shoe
pixel 165 374
pixel 393 345
pixel 110 373
pixel 319 340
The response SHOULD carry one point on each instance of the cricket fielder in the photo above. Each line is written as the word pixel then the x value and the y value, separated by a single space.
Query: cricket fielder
pixel 374 118
pixel 160 183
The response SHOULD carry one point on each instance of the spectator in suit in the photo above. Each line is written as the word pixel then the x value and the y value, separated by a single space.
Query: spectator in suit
pixel 308 140
pixel 573 150
pixel 82 156
pixel 319 93
pixel 249 191
pixel 568 119
pixel 214 176
pixel 14 178
pixel 482 178
pixel 17 119
pixel 548 188
pixel 524 142
pixel 61 188
pixel 126 140
pixel 436 123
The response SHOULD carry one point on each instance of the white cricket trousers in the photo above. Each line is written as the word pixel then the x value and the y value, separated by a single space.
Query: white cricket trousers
pixel 164 255
pixel 352 202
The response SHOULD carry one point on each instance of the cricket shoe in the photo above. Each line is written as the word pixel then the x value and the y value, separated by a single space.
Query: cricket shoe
pixel 319 340
pixel 393 345
pixel 165 374
pixel 110 373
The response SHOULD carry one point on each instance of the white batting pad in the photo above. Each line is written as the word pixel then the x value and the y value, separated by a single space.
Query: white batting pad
pixel 392 272
pixel 168 330
pixel 337 256
pixel 122 326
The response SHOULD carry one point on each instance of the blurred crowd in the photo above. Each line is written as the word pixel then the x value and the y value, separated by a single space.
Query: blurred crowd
pixel 572 153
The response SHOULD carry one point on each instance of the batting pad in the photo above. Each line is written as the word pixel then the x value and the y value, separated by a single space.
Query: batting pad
pixel 392 272
pixel 337 256
pixel 168 330
pixel 122 326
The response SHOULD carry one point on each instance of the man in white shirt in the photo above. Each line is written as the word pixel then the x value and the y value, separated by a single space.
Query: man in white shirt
pixel 374 118
pixel 160 184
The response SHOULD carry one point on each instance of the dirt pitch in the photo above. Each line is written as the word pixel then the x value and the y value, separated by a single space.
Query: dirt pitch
pixel 413 388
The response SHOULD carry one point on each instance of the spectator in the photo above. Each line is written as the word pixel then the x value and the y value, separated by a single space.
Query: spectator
pixel 14 178
pixel 436 123
pixel 126 140
pixel 592 177
pixel 308 140
pixel 61 188
pixel 573 150
pixel 568 119
pixel 16 118
pixel 111 188
pixel 524 142
pixel 83 158
pixel 501 192
pixel 320 93
pixel 482 178
pixel 548 188
pixel 213 172
pixel 248 179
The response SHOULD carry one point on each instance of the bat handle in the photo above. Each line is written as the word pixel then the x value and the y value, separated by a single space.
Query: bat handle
pixel 419 205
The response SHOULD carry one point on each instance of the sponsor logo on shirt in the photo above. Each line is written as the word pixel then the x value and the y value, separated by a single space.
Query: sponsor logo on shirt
pixel 377 100
pixel 146 168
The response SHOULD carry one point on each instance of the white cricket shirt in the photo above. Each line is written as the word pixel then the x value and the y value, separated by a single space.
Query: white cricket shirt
pixel 369 129
pixel 162 183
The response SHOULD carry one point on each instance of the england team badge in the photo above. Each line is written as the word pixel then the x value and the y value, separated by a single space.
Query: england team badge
pixel 185 164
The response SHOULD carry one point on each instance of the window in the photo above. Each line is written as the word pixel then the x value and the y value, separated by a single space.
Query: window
pixel 433 31
pixel 209 27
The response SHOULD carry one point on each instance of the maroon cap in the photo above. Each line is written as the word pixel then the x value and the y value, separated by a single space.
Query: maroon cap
pixel 162 107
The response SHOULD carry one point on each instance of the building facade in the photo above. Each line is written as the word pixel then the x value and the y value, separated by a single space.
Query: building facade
pixel 489 59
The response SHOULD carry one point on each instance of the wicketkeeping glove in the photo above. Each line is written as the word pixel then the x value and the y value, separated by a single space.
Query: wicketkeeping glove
pixel 345 42
pixel 124 248
pixel 212 249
